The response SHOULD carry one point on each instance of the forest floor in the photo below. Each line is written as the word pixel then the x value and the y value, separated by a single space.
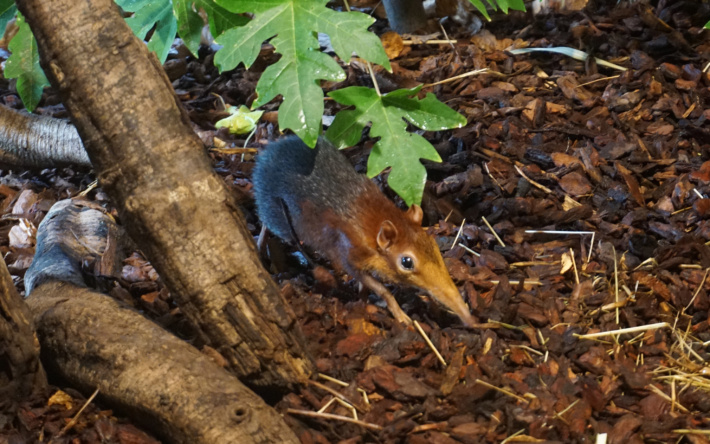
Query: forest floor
pixel 573 212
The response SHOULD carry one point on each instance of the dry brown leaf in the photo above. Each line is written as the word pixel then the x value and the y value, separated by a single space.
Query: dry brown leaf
pixel 575 184
pixel 631 183
pixel 565 160
pixel 393 44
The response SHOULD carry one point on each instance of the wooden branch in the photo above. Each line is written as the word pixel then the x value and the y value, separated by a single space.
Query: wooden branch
pixel 154 168
pixel 21 373
pixel 38 141
pixel 95 342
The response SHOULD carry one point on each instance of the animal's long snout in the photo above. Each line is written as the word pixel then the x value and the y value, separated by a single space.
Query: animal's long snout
pixel 450 297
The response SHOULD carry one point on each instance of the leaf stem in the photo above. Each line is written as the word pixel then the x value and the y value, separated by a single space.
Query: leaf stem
pixel 369 65
pixel 374 79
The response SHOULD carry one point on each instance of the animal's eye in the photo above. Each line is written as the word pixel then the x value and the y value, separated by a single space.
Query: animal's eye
pixel 407 262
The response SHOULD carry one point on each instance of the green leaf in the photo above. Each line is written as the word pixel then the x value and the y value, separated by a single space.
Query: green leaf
pixel 292 26
pixel 504 5
pixel 189 23
pixel 145 14
pixel 707 25
pixel 428 114
pixel 517 5
pixel 396 149
pixel 148 14
pixel 254 7
pixel 23 65
pixel 242 45
pixel 408 176
pixel 163 36
pixel 220 19
pixel 132 5
pixel 478 4
pixel 7 12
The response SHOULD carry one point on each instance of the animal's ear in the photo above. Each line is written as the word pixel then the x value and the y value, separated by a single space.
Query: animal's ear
pixel 387 235
pixel 415 214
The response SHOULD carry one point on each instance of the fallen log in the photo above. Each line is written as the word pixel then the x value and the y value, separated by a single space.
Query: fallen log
pixel 95 342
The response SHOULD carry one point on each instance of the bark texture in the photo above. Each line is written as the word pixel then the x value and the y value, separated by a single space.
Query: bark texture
pixel 37 141
pixel 21 373
pixel 155 169
pixel 93 341
pixel 157 379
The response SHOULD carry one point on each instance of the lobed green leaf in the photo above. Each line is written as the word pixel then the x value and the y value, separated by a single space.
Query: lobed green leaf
pixel 292 26
pixel 397 149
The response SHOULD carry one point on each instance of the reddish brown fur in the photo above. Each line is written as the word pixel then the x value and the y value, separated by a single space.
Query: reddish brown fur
pixel 334 210
pixel 351 243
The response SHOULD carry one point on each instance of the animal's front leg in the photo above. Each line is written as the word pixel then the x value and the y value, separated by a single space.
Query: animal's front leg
pixel 381 291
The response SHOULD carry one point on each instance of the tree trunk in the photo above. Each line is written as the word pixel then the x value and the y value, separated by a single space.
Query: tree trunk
pixel 21 373
pixel 92 341
pixel 405 15
pixel 154 167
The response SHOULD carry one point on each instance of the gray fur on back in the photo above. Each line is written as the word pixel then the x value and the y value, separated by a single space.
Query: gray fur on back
pixel 289 171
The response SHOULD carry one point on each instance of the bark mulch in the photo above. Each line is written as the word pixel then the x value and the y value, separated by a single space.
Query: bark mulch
pixel 573 212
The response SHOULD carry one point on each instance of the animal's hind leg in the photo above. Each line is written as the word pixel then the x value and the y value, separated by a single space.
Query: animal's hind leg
pixel 294 236
pixel 261 241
